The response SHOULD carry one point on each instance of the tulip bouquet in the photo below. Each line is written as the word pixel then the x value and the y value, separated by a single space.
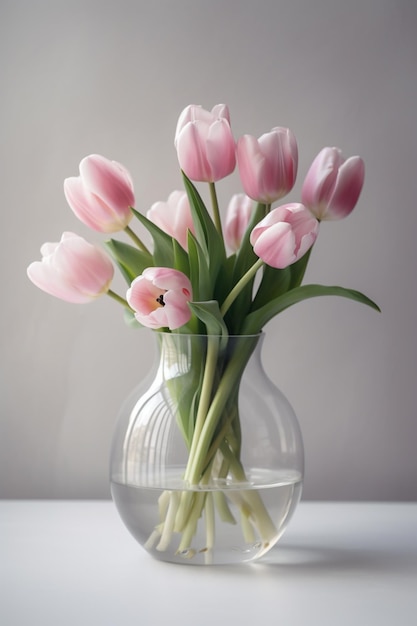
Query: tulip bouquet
pixel 203 277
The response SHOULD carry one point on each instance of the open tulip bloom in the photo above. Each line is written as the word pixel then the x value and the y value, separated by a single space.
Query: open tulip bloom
pixel 187 282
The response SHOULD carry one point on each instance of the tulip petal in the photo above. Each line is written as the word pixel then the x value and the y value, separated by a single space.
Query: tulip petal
pixel 251 164
pixel 190 153
pixel 160 298
pixel 268 165
pixel 73 270
pixel 205 144
pixel 220 150
pixel 102 196
pixel 45 278
pixel 174 216
pixel 238 214
pixel 284 235
pixel 349 183
pixel 109 181
pixel 276 245
pixel 332 185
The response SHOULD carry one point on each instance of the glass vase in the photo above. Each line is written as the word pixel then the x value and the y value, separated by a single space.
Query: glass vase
pixel 207 456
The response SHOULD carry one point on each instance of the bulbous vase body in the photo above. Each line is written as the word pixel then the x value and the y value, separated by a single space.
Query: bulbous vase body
pixel 207 456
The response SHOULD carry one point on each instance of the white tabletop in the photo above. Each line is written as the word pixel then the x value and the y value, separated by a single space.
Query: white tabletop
pixel 74 563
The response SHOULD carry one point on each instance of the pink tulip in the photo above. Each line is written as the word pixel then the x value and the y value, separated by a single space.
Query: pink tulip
pixel 73 270
pixel 284 235
pixel 205 144
pixel 332 186
pixel 238 214
pixel 102 196
pixel 268 165
pixel 159 297
pixel 174 216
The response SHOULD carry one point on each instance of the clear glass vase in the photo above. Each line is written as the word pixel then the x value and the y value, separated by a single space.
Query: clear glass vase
pixel 207 456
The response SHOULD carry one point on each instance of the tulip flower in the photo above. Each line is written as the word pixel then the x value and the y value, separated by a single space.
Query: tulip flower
pixel 174 216
pixel 238 214
pixel 268 165
pixel 205 144
pixel 332 186
pixel 284 235
pixel 102 195
pixel 159 297
pixel 73 270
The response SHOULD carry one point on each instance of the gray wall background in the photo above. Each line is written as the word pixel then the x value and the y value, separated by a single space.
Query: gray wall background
pixel 112 77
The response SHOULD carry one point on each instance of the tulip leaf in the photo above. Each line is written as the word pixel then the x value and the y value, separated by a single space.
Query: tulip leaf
pixel 130 319
pixel 163 254
pixel 130 260
pixel 298 269
pixel 210 239
pixel 245 258
pixel 256 320
pixel 274 283
pixel 226 284
pixel 209 313
pixel 199 270
pixel 181 260
pixel 186 388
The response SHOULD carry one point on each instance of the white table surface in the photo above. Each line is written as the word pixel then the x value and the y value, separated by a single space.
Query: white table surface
pixel 74 563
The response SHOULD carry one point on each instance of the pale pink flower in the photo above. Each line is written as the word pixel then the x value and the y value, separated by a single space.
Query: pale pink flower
pixel 238 214
pixel 205 145
pixel 268 165
pixel 332 186
pixel 174 216
pixel 102 195
pixel 73 270
pixel 284 235
pixel 159 297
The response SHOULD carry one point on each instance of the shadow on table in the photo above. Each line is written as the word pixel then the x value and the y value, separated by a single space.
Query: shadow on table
pixel 321 558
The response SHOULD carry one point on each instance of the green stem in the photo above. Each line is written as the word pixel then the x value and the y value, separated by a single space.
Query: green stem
pixel 206 391
pixel 118 299
pixel 136 239
pixel 229 382
pixel 220 436
pixel 259 513
pixel 216 210
pixel 239 286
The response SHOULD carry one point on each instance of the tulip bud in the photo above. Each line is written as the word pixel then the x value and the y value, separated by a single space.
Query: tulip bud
pixel 205 144
pixel 268 165
pixel 284 235
pixel 174 216
pixel 73 270
pixel 159 297
pixel 332 186
pixel 238 214
pixel 102 196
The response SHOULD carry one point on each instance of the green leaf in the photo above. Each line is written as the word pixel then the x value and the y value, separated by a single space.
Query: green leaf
pixel 199 271
pixel 298 269
pixel 225 285
pixel 130 319
pixel 163 254
pixel 245 258
pixel 274 283
pixel 181 260
pixel 209 313
pixel 209 238
pixel 256 320
pixel 130 260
